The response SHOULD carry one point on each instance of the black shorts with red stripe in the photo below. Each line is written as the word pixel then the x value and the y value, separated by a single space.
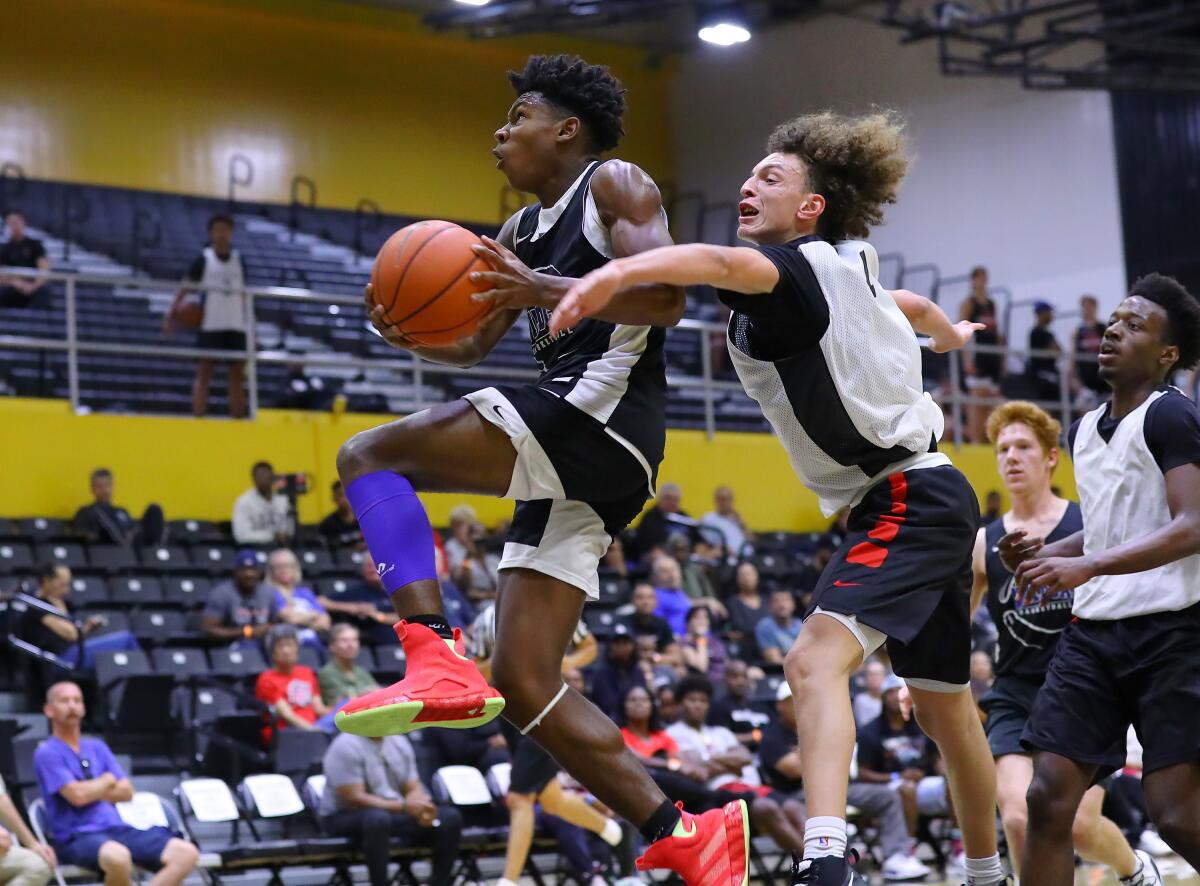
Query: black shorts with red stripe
pixel 904 569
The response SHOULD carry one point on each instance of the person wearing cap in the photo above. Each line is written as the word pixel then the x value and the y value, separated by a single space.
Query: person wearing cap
pixel 893 751
pixel 1043 371
pixel 779 762
pixel 619 671
pixel 242 608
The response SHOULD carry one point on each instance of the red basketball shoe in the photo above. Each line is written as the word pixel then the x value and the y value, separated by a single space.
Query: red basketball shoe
pixel 712 849
pixel 441 687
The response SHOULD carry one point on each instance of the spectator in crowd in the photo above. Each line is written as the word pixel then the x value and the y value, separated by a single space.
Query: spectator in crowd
pixel 657 669
pixel 868 704
pixel 27 863
pixel 373 793
pixel 290 687
pixel 993 507
pixel 736 709
pixel 343 678
pixel 220 275
pixel 728 767
pixel 644 621
pixel 779 754
pixel 668 704
pixel 102 522
pixel 1042 371
pixel 703 651
pixel 80 780
pixel 367 606
pixel 894 751
pixel 693 577
pixel 736 538
pixel 656 523
pixel 298 605
pixel 62 635
pixel 617 672
pixel 482 747
pixel 472 569
pixel 981 674
pixel 20 251
pixel 983 371
pixel 261 515
pixel 673 603
pixel 1086 346
pixel 614 563
pixel 746 609
pixel 776 633
pixel 340 527
pixel 243 608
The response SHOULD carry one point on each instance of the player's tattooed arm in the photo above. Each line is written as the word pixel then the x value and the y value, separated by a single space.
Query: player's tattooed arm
pixel 630 208
pixel 465 352
pixel 1177 539
pixel 928 319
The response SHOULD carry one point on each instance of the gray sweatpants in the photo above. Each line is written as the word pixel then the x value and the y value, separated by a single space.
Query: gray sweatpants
pixel 881 804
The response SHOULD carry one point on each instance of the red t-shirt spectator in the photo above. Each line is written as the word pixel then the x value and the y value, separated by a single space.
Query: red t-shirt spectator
pixel 658 743
pixel 297 688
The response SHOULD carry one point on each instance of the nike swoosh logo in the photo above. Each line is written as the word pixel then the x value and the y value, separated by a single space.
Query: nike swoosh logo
pixel 496 406
pixel 526 237
pixel 847 584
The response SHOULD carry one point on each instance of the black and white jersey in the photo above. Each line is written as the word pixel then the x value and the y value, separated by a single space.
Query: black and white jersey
pixel 836 368
pixel 1028 626
pixel 612 372
pixel 1120 468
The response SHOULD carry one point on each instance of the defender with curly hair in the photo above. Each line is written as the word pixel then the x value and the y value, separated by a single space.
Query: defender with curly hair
pixel 578 451
pixel 1026 442
pixel 831 357
pixel 1130 654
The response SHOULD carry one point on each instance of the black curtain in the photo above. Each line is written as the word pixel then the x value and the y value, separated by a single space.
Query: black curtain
pixel 1157 137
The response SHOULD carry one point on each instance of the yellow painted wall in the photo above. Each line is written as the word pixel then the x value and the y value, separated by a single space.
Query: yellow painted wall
pixel 158 94
pixel 197 468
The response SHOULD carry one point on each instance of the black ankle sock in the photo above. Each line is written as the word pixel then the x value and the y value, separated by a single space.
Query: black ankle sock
pixel 661 823
pixel 435 623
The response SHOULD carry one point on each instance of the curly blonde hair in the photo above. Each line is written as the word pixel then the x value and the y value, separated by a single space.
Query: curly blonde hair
pixel 855 163
pixel 1046 428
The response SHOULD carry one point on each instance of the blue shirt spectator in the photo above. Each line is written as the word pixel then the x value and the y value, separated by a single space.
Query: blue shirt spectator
pixel 673 602
pixel 776 633
pixel 80 780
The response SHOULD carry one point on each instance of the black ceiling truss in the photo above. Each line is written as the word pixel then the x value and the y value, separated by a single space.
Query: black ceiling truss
pixel 1061 44
pixel 503 18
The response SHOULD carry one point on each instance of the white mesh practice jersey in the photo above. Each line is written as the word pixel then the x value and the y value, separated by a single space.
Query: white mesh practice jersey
pixel 836 368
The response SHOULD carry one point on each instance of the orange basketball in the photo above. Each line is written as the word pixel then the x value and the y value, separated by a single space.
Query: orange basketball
pixel 420 280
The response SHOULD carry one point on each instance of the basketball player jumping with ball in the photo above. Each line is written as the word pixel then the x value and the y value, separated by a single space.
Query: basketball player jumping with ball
pixel 578 451
pixel 831 357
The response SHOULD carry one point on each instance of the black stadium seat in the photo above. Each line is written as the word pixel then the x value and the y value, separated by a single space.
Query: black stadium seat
pixel 187 591
pixel 172 559
pixel 42 529
pixel 316 561
pixel 159 628
pixel 113 559
pixel 193 532
pixel 181 661
pixel 15 556
pixel 65 553
pixel 215 558
pixel 237 663
pixel 135 591
pixel 88 591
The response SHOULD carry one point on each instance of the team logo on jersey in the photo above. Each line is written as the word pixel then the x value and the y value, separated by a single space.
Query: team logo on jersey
pixel 1037 618
pixel 384 568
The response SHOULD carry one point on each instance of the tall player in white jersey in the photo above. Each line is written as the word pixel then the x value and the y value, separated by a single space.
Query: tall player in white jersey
pixel 831 357
pixel 1131 654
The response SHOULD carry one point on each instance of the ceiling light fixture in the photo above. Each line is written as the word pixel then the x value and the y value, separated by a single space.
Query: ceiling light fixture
pixel 724 26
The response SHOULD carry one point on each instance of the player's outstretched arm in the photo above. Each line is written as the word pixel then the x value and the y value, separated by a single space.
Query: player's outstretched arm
pixel 736 268
pixel 928 319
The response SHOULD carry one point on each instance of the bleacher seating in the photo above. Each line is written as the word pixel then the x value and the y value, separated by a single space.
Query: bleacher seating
pixel 319 255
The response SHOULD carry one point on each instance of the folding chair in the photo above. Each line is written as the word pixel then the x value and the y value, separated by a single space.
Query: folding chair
pixel 215 824
pixel 484 829
pixel 272 803
pixel 63 873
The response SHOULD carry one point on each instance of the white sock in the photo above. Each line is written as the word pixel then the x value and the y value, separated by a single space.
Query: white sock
pixel 504 882
pixel 1136 876
pixel 984 870
pixel 824 835
pixel 612 833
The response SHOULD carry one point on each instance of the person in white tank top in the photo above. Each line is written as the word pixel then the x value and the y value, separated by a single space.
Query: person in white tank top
pixel 218 273
pixel 1131 654
pixel 830 356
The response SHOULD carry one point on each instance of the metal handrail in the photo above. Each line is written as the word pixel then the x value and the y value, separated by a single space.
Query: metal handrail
pixel 956 399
